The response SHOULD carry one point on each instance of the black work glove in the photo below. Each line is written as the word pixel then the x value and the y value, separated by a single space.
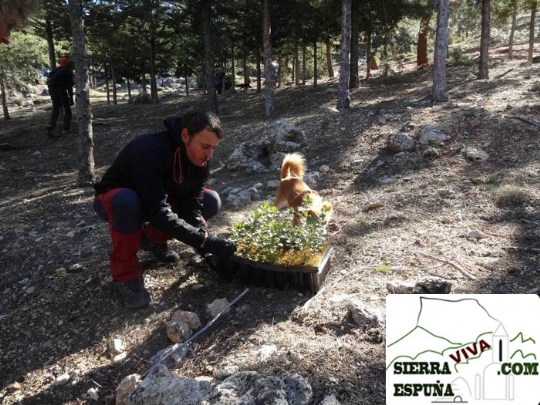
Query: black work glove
pixel 220 267
pixel 220 247
pixel 71 102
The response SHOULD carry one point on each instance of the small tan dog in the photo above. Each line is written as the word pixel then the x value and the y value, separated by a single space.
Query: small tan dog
pixel 293 190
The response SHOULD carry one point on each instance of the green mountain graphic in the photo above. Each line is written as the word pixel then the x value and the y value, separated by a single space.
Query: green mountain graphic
pixel 523 340
pixel 434 342
pixel 523 356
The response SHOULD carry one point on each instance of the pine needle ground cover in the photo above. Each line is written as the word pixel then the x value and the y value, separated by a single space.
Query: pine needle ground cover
pixel 268 236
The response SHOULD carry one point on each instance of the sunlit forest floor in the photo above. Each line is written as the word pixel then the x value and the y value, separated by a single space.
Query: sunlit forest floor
pixel 397 217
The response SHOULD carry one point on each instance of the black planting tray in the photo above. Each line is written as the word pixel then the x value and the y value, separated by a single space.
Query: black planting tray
pixel 304 278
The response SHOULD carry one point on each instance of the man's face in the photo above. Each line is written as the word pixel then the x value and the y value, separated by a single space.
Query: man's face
pixel 7 23
pixel 201 146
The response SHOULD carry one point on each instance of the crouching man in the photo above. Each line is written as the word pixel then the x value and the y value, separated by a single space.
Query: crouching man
pixel 155 191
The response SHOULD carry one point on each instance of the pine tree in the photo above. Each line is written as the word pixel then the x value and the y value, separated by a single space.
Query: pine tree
pixel 86 174
pixel 484 40
pixel 534 6
pixel 421 48
pixel 512 30
pixel 440 85
pixel 19 64
pixel 209 54
pixel 344 99
pixel 268 67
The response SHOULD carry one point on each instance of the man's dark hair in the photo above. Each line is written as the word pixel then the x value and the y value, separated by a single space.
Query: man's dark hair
pixel 197 121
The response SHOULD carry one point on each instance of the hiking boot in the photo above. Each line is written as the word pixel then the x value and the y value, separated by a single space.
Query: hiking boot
pixel 50 132
pixel 53 133
pixel 162 253
pixel 133 293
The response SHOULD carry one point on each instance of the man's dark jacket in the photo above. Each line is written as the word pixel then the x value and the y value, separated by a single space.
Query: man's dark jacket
pixel 61 78
pixel 156 167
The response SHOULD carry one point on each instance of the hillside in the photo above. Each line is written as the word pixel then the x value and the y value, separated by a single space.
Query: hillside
pixel 397 218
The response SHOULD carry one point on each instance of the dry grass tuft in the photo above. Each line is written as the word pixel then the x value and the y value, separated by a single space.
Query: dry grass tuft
pixel 512 196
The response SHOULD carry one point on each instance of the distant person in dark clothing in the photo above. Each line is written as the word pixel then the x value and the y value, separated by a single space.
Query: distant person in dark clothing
pixel 219 76
pixel 155 191
pixel 60 82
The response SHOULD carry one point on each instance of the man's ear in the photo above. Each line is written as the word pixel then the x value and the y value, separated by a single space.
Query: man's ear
pixel 185 135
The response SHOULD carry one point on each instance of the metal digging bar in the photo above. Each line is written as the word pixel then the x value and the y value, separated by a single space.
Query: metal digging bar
pixel 179 350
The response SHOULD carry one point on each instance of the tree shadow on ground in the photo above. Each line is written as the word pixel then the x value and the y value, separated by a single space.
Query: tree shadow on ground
pixel 226 335
pixel 517 272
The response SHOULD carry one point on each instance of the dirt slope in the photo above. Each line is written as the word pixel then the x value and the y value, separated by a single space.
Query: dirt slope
pixel 58 309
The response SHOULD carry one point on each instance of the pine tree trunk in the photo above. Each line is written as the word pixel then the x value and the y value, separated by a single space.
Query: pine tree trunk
pixel 86 174
pixel 344 99
pixel 440 84
pixel 277 79
pixel 329 59
pixel 4 96
pixel 268 68
pixel 129 88
pixel 107 88
pixel 512 30
pixel 384 59
pixel 113 78
pixel 303 64
pixel 531 31
pixel 202 78
pixel 296 64
pixel 232 68
pixel 247 80
pixel 224 79
pixel 186 78
pixel 153 86
pixel 368 53
pixel 143 83
pixel 293 69
pixel 354 81
pixel 315 67
pixel 209 56
pixel 421 47
pixel 286 72
pixel 50 42
pixel 259 87
pixel 484 41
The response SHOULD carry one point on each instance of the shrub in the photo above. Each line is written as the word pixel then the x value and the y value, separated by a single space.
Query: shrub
pixel 141 98
pixel 268 236
pixel 511 178
pixel 458 57
pixel 382 268
pixel 512 196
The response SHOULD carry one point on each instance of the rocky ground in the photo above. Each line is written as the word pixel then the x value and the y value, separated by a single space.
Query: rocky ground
pixel 463 208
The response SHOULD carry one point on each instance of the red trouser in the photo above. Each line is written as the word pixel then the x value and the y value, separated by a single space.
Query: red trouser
pixel 121 208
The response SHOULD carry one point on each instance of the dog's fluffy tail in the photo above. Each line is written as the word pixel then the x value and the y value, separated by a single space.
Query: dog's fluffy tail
pixel 293 165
